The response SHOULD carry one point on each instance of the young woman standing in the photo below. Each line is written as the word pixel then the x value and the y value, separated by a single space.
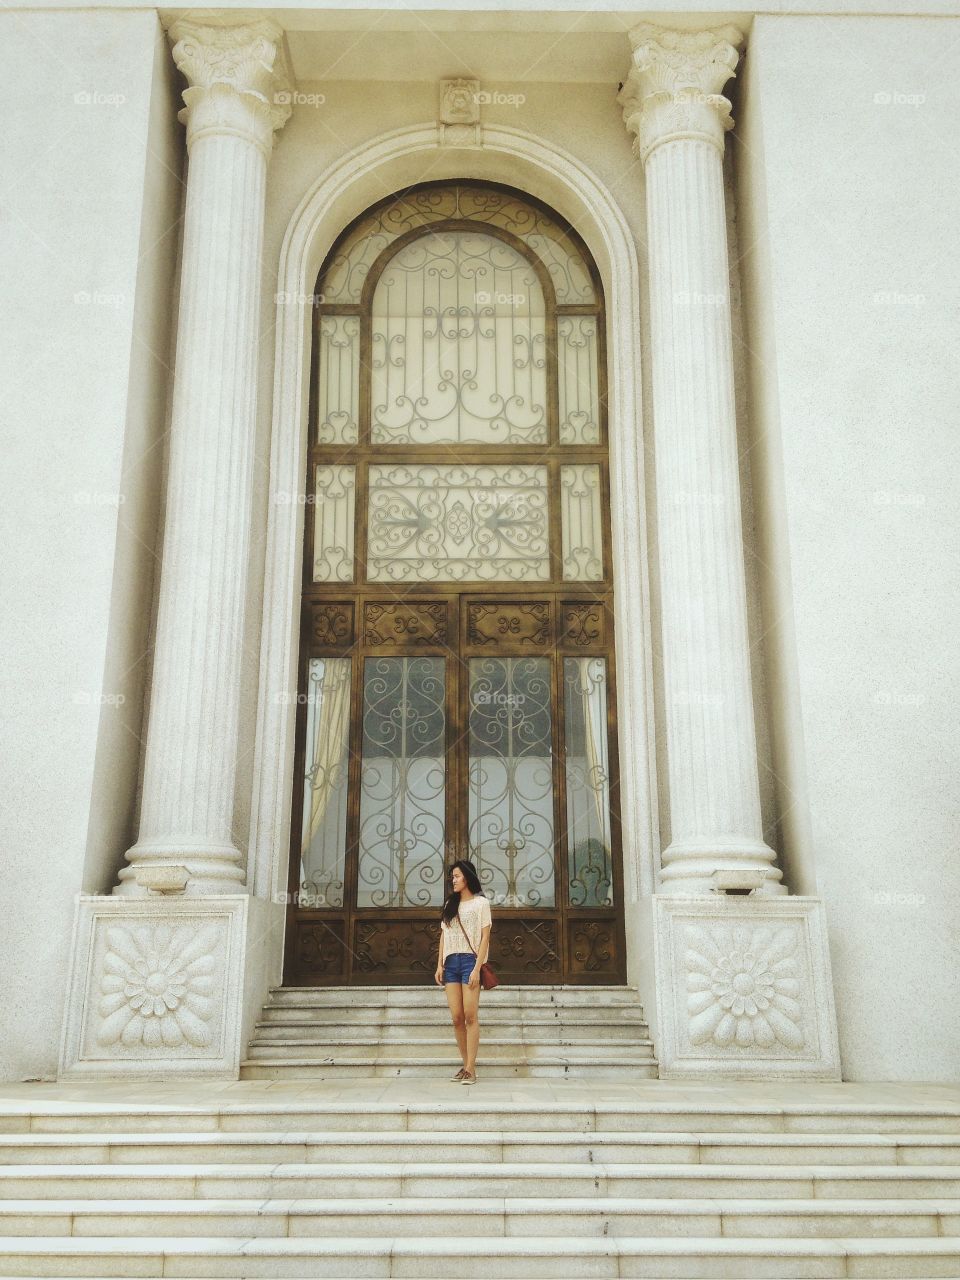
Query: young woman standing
pixel 464 947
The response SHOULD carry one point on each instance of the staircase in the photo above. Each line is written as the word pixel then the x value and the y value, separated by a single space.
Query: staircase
pixel 561 1179
pixel 328 1033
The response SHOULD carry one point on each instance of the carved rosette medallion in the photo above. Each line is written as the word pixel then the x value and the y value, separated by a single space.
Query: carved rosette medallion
pixel 743 987
pixel 673 88
pixel 157 985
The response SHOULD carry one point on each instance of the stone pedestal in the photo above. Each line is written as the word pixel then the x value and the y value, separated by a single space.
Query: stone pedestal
pixel 167 974
pixel 156 988
pixel 744 989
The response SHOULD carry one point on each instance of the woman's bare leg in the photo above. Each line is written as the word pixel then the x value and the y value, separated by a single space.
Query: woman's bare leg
pixel 454 992
pixel 471 1010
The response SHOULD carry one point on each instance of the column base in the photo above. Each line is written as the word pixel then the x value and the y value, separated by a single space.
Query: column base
pixel 744 989
pixel 690 867
pixel 157 986
pixel 209 869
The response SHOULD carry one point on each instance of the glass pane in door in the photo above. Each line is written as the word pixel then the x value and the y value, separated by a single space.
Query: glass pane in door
pixel 511 829
pixel 402 783
pixel 587 773
pixel 324 826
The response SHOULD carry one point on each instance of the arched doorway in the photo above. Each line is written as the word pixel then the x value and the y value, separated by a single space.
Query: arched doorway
pixel 456 675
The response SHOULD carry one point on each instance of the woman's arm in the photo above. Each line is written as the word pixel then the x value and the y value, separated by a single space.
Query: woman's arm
pixel 438 976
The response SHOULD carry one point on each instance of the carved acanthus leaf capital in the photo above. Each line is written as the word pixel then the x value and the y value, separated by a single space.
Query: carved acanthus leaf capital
pixel 673 88
pixel 239 80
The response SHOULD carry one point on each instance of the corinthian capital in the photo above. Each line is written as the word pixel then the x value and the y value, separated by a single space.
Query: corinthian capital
pixel 673 89
pixel 239 81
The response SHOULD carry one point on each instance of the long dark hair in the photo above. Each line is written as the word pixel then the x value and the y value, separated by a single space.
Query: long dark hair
pixel 473 884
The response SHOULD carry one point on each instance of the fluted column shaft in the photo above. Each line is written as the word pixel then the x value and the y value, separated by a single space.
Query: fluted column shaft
pixel 672 102
pixel 191 751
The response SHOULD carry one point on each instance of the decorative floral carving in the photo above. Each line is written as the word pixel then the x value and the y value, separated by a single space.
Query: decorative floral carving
pixel 527 623
pixel 157 986
pixel 396 624
pixel 333 625
pixel 592 944
pixel 583 624
pixel 673 88
pixel 743 987
pixel 237 76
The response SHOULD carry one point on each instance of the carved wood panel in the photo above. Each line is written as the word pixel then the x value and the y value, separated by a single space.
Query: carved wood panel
pixel 320 950
pixel 519 946
pixel 404 625
pixel 391 947
pixel 592 947
pixel 499 622
pixel 331 625
pixel 582 624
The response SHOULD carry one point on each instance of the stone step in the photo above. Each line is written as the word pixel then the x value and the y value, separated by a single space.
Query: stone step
pixel 473 1257
pixel 456 1110
pixel 486 1147
pixel 502 1031
pixel 493 1049
pixel 401 1015
pixel 299 1181
pixel 428 994
pixel 509 1216
pixel 316 1068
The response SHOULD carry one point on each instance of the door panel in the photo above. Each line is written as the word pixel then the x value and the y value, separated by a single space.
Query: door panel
pixel 459 726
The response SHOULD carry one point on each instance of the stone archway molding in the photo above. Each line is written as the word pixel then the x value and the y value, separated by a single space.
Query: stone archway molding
pixel 362 176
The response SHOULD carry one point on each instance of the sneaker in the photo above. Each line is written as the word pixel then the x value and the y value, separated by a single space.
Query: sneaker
pixel 459 1076
pixel 469 1077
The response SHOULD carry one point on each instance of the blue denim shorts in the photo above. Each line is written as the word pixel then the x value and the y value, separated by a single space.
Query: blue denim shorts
pixel 459 966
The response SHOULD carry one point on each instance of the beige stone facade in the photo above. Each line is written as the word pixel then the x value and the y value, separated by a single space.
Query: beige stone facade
pixel 768 199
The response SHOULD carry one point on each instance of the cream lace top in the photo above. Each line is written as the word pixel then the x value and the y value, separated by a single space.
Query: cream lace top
pixel 473 915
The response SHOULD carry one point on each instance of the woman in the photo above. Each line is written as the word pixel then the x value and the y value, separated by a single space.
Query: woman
pixel 464 947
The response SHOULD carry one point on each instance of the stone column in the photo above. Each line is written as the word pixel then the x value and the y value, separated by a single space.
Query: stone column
pixel 672 103
pixel 237 96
